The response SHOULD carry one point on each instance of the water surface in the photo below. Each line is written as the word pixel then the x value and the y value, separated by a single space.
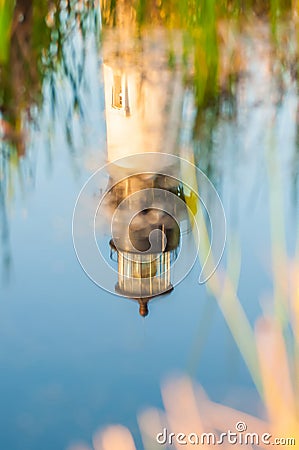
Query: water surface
pixel 74 357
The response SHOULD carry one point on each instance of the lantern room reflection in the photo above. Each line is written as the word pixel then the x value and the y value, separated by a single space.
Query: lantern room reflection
pixel 145 255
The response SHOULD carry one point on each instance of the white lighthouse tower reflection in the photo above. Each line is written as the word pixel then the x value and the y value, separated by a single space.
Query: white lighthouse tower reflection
pixel 143 107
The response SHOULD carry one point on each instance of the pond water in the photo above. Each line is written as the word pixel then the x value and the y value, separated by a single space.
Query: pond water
pixel 74 357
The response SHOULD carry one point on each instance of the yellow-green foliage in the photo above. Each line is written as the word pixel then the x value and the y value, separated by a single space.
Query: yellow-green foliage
pixel 6 15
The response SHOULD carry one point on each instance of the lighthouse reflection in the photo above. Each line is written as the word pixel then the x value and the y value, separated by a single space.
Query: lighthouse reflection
pixel 143 106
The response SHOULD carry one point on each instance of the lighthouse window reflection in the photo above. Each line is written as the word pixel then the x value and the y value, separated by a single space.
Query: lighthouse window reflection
pixel 117 95
pixel 120 93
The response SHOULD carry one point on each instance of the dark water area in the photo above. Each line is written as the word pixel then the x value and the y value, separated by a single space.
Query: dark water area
pixel 222 93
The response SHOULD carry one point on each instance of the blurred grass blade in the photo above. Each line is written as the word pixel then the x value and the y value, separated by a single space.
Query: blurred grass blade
pixel 6 16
